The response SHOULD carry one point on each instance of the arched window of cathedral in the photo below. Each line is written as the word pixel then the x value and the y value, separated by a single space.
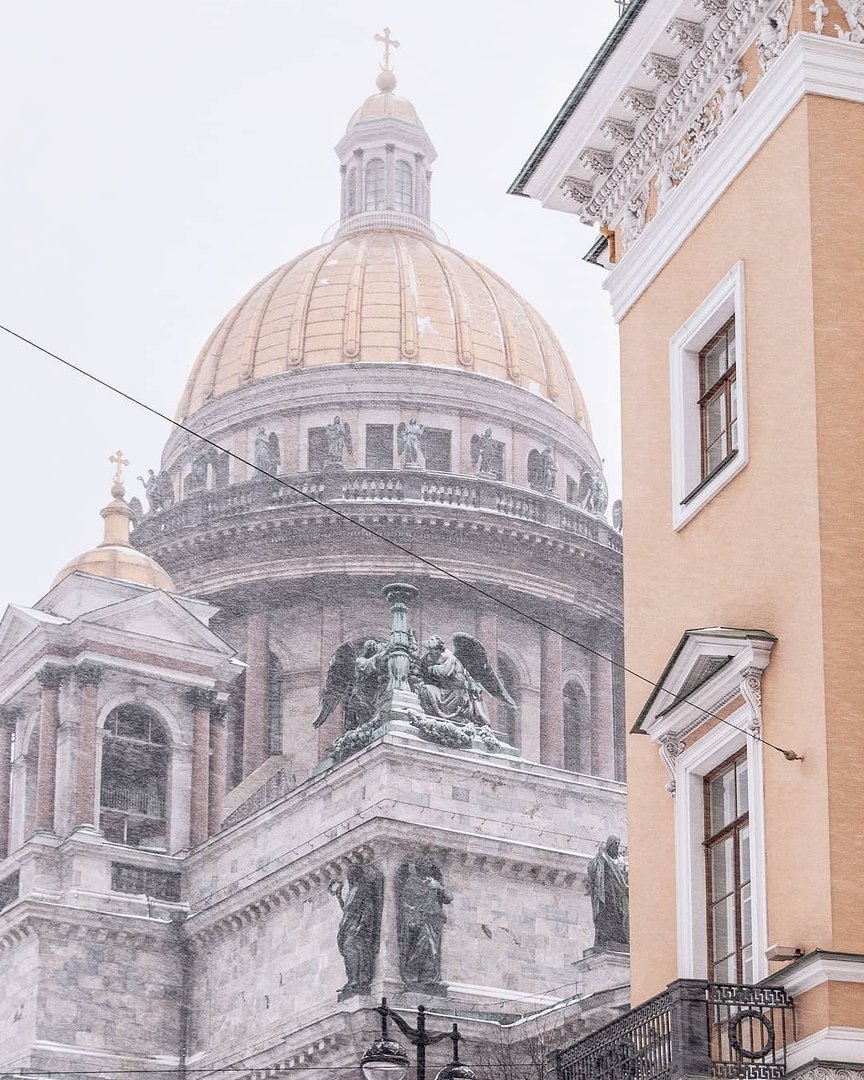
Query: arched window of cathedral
pixel 351 191
pixel 404 187
pixel 134 781
pixel 508 717
pixel 577 728
pixel 375 185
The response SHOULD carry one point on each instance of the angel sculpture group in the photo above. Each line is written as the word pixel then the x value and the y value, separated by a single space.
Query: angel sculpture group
pixel 449 683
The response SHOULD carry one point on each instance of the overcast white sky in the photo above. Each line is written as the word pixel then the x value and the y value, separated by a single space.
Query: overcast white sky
pixel 160 158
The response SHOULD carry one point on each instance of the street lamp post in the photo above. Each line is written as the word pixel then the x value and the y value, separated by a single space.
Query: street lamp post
pixel 386 1060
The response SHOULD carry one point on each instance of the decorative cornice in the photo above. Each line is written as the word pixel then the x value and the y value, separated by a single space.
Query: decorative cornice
pixel 713 7
pixel 618 131
pixel 598 161
pixel 686 32
pixel 642 102
pixel 579 190
pixel 662 68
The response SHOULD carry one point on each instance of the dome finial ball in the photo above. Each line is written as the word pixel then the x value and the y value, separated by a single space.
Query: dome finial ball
pixel 386 82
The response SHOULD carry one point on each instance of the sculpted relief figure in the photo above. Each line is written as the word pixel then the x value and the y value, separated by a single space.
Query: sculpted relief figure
pixel 338 442
pixel 267 456
pixel 608 888
pixel 450 683
pixel 359 934
pixel 409 442
pixel 542 470
pixel 356 675
pixel 420 900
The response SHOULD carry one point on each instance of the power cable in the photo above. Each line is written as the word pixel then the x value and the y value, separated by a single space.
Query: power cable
pixel 790 755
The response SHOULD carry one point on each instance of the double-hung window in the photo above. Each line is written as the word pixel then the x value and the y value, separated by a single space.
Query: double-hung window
pixel 718 400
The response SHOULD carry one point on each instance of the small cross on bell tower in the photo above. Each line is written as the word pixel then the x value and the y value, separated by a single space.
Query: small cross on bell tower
pixel 386 81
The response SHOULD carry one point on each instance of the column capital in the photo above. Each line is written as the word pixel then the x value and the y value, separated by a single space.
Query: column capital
pixel 199 698
pixel 10 714
pixel 52 676
pixel 390 147
pixel 418 156
pixel 87 673
pixel 217 712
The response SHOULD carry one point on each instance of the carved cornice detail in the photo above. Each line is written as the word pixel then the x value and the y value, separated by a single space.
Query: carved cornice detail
pixel 670 747
pixel 598 161
pixel 662 68
pixel 720 47
pixel 774 35
pixel 751 691
pixel 576 189
pixel 642 102
pixel 713 7
pixel 621 132
pixel 686 32
pixel 853 12
pixel 829 1072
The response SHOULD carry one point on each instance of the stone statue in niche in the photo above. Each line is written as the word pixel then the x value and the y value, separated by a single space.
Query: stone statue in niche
pixel 409 442
pixel 338 436
pixel 450 682
pixel 593 495
pixel 484 454
pixel 608 887
pixel 359 934
pixel 197 478
pixel 267 455
pixel 542 470
pixel 420 900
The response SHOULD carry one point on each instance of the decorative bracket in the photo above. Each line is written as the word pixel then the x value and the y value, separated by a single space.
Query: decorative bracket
pixel 621 132
pixel 662 68
pixel 686 32
pixel 578 190
pixel 670 747
pixel 751 691
pixel 642 102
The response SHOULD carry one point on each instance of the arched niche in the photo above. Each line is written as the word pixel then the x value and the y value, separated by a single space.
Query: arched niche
pixel 134 778
pixel 577 727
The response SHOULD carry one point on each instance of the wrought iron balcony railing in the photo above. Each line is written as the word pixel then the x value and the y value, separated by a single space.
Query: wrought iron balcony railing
pixel 692 1029
pixel 132 800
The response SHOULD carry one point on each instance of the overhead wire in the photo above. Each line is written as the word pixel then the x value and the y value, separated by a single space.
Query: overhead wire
pixel 790 755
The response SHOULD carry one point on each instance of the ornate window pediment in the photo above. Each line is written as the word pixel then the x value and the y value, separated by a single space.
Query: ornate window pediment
pixel 707 671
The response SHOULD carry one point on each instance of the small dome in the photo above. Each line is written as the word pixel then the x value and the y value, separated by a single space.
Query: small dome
pixel 115 557
pixel 384 295
pixel 385 106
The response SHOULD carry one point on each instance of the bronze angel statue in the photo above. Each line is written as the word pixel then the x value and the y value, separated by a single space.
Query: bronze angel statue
pixel 356 675
pixel 450 682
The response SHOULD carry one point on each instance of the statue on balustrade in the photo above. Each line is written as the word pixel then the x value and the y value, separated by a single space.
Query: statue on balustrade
pixel 267 455
pixel 359 934
pixel 420 900
pixel 608 887
pixel 485 455
pixel 450 682
pixel 153 491
pixel 542 470
pixel 197 478
pixel 356 677
pixel 338 442
pixel 409 442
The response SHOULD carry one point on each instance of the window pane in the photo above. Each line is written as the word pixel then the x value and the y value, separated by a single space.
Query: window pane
pixel 404 187
pixel 730 344
pixel 714 412
pixel 722 868
pixel 724 970
pixel 723 926
pixel 747 957
pixel 744 853
pixel 714 363
pixel 743 797
pixel 375 185
pixel 746 916
pixel 721 800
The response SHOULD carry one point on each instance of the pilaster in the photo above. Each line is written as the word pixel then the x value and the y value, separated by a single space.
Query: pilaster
pixel 51 678
pixel 255 704
pixel 551 700
pixel 9 715
pixel 218 767
pixel 201 702
pixel 87 678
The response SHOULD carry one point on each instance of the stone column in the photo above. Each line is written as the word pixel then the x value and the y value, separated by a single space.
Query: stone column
pixel 255 703
pixel 487 634
pixel 50 679
pixel 602 716
pixel 218 767
pixel 87 677
pixel 201 702
pixel 551 700
pixel 8 718
pixel 390 176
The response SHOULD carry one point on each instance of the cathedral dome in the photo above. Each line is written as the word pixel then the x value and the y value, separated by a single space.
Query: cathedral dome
pixel 384 295
pixel 383 106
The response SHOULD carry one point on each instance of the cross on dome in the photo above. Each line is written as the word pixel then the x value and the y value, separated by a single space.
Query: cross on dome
pixel 386 81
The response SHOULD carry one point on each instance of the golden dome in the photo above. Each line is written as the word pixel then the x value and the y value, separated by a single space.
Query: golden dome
pixel 385 106
pixel 383 295
pixel 115 557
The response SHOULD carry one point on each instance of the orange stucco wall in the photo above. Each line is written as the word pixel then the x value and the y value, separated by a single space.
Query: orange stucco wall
pixel 781 547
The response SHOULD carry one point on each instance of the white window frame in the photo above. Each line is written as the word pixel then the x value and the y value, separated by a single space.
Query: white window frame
pixel 691 767
pixel 689 493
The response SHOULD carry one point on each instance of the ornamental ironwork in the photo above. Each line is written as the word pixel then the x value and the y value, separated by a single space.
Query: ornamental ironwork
pixel 693 1028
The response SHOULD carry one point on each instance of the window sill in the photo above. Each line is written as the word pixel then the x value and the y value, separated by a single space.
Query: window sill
pixel 708 479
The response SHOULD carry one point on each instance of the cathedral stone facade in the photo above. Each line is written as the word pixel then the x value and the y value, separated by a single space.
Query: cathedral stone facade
pixel 195 874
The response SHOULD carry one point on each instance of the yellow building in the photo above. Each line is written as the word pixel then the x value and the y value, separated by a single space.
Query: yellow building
pixel 718 147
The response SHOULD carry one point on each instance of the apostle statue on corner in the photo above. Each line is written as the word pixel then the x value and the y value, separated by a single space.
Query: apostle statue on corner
pixel 409 442
pixel 420 900
pixel 608 886
pixel 359 934
pixel 338 435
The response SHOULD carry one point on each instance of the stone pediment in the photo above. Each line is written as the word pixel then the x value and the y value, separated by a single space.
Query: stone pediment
pixel 19 623
pixel 707 670
pixel 157 615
